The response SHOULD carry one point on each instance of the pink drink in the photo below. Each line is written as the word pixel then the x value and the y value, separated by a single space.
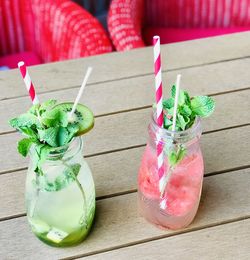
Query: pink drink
pixel 178 205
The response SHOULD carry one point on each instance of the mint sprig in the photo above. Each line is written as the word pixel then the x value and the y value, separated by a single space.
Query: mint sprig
pixel 187 111
pixel 68 176
pixel 44 126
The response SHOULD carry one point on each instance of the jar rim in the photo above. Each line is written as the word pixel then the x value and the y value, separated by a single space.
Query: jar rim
pixel 189 133
pixel 69 149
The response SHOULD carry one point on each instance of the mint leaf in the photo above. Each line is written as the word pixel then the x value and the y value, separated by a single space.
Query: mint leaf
pixel 40 156
pixel 202 106
pixel 168 103
pixel 28 132
pixel 181 98
pixel 173 91
pixel 62 136
pixel 33 110
pixel 54 136
pixel 187 98
pixel 175 157
pixel 55 117
pixel 167 122
pixel 181 121
pixel 172 158
pixel 44 152
pixel 47 105
pixel 75 168
pixel 24 146
pixel 180 154
pixel 68 176
pixel 49 136
pixel 185 110
pixel 36 157
pixel 170 111
pixel 72 130
pixel 25 120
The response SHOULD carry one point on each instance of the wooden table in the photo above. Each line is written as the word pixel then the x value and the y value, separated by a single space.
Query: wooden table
pixel 120 92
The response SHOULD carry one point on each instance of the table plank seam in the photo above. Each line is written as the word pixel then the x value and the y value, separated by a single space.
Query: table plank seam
pixel 185 231
pixel 141 145
pixel 144 107
pixel 149 106
pixel 117 194
pixel 133 77
pixel 131 147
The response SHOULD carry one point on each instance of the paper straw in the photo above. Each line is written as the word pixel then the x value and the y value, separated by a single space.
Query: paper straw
pixel 159 107
pixel 89 70
pixel 28 83
pixel 164 180
pixel 158 80
pixel 177 91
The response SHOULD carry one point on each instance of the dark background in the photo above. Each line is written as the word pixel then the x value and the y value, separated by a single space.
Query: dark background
pixel 97 8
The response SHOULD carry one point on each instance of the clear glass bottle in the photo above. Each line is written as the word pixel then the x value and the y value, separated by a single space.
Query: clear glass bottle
pixel 171 201
pixel 60 201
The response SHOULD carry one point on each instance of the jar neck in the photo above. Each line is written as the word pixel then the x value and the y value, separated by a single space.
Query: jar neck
pixel 65 152
pixel 190 135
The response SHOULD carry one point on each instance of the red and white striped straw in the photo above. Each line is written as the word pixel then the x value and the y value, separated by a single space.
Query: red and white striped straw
pixel 159 108
pixel 28 83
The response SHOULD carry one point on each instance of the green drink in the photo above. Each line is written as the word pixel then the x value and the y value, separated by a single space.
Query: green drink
pixel 60 191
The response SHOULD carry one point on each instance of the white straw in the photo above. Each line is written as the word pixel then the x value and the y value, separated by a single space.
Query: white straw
pixel 80 91
pixel 165 179
pixel 177 91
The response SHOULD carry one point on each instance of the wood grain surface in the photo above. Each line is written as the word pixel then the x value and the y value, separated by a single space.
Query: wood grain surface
pixel 120 92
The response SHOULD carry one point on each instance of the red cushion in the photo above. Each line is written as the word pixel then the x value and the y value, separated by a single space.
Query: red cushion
pixel 169 35
pixel 30 58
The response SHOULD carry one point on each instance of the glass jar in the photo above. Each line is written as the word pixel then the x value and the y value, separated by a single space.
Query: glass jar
pixel 60 198
pixel 171 200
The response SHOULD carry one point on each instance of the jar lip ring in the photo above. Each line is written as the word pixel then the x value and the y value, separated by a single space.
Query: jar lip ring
pixel 67 148
pixel 71 148
pixel 196 127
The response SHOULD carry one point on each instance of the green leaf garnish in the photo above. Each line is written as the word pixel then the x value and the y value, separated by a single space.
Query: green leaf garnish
pixel 173 91
pixel 68 176
pixel 181 122
pixel 24 146
pixel 54 117
pixel 202 106
pixel 25 120
pixel 50 103
pixel 175 154
pixel 30 132
pixel 172 158
pixel 180 154
pixel 168 103
pixel 34 109
pixel 49 136
pixel 62 136
pixel 45 126
pixel 182 96
pixel 187 111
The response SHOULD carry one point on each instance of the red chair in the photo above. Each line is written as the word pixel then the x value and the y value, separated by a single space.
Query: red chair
pixel 41 31
pixel 132 23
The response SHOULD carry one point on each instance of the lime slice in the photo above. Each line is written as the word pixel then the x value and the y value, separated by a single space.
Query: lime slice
pixel 82 116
